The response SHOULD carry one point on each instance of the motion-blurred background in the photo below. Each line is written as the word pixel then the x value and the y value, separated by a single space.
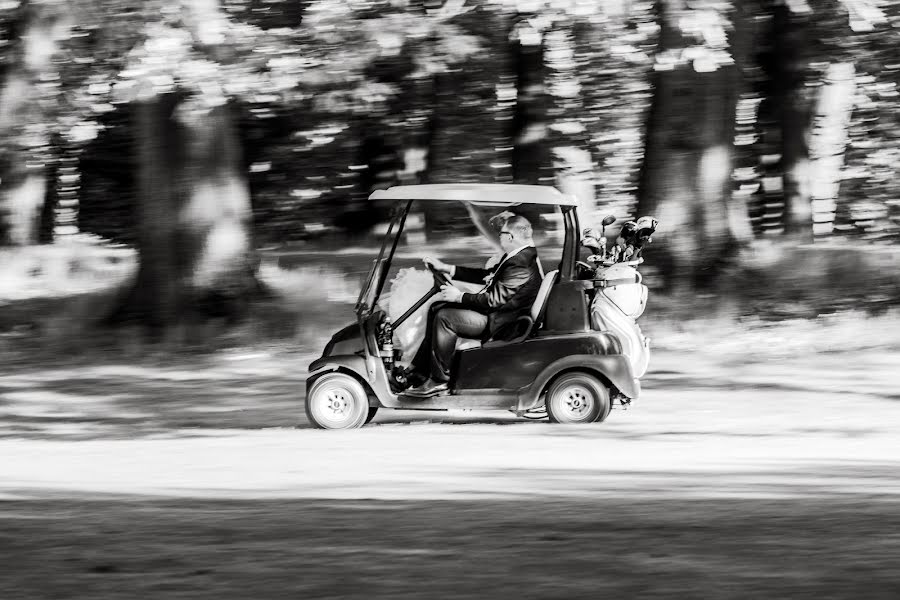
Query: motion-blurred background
pixel 166 164
pixel 184 222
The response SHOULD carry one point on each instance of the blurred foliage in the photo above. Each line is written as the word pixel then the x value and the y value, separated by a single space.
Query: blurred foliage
pixel 869 202
pixel 338 97
pixel 797 45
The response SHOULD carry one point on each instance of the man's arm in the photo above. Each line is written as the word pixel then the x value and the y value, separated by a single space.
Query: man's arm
pixel 510 278
pixel 467 274
pixel 470 274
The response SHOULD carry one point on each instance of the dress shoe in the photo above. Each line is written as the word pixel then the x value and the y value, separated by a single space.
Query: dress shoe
pixel 429 388
pixel 415 378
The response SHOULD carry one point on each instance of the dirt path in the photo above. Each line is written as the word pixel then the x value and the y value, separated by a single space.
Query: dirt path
pixel 729 478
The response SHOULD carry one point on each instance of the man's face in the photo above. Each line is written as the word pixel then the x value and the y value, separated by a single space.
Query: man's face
pixel 508 239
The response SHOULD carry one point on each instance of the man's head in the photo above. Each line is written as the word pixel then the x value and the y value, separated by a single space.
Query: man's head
pixel 499 220
pixel 516 232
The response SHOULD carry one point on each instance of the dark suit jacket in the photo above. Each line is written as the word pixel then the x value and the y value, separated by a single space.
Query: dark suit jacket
pixel 510 293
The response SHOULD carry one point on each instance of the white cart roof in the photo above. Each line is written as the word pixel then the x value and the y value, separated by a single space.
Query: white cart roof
pixel 488 194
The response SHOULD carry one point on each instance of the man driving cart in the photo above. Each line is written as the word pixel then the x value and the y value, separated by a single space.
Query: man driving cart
pixel 510 288
pixel 534 348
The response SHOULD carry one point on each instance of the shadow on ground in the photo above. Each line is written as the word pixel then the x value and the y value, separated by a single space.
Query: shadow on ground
pixel 120 400
pixel 612 547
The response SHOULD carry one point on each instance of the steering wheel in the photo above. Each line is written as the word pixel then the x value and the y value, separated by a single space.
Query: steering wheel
pixel 439 277
pixel 439 280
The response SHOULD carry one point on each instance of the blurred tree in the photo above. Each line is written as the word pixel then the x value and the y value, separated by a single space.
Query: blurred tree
pixel 323 100
pixel 196 255
pixel 362 115
pixel 791 108
pixel 798 47
pixel 457 74
pixel 187 67
pixel 531 159
pixel 96 50
pixel 196 63
pixel 30 84
pixel 617 47
pixel 686 177
pixel 574 164
pixel 581 96
pixel 864 202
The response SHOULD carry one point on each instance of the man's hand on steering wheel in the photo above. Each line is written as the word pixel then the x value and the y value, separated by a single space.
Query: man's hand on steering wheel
pixel 439 270
pixel 436 265
pixel 449 293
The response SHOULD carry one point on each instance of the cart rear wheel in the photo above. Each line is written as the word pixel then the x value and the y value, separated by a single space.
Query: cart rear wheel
pixel 337 401
pixel 577 398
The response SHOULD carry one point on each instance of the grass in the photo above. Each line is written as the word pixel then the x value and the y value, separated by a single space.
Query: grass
pixel 53 298
pixel 780 300
pixel 65 269
pixel 777 280
pixel 753 338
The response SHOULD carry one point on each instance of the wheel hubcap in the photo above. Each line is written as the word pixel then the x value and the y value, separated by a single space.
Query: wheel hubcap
pixel 576 401
pixel 334 403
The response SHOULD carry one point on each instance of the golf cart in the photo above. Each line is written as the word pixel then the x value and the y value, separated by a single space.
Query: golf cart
pixel 557 364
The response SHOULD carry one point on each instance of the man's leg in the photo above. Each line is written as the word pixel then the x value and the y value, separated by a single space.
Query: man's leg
pixel 421 362
pixel 450 324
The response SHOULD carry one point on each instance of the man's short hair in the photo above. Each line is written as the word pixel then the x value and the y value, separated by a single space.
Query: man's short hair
pixel 499 220
pixel 520 226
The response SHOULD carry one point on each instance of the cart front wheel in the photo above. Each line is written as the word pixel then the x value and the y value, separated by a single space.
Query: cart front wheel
pixel 577 398
pixel 337 401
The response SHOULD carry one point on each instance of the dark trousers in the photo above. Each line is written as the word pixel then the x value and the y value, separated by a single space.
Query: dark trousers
pixel 447 322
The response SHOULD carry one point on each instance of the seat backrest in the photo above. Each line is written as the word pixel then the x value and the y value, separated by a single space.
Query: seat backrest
pixel 543 292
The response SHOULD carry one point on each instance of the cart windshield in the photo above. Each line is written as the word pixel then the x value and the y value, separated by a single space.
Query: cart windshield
pixel 455 232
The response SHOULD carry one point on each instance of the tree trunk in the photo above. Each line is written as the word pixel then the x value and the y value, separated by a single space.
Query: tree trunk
pixel 530 156
pixel 194 243
pixel 194 240
pixel 155 299
pixel 795 120
pixel 686 177
pixel 24 140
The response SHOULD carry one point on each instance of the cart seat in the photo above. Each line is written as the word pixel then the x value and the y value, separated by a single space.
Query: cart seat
pixel 537 309
pixel 530 322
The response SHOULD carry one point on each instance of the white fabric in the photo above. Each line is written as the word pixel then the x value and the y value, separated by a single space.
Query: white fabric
pixel 405 289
